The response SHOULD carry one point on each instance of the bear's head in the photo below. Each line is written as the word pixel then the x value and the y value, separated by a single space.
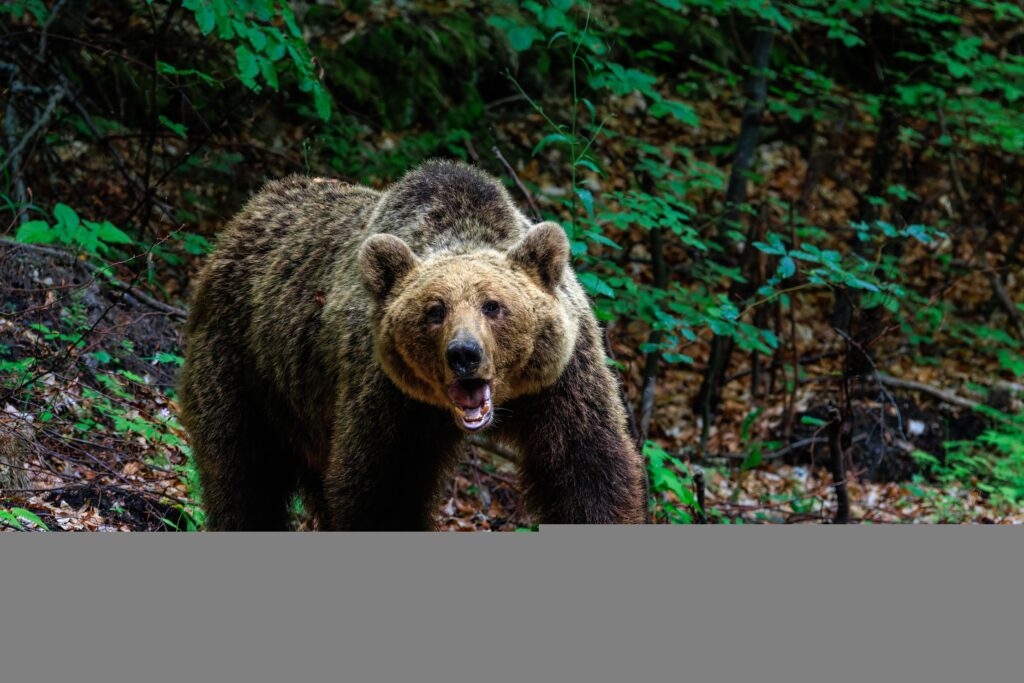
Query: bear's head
pixel 470 331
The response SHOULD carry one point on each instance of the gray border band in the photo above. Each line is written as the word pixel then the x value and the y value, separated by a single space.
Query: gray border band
pixel 615 604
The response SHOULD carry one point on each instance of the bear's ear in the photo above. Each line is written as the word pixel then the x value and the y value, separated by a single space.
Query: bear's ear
pixel 543 253
pixel 383 261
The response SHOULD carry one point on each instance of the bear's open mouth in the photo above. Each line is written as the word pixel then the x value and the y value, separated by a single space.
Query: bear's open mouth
pixel 472 400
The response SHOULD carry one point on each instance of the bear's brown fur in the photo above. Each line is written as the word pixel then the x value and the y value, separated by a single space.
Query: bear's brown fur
pixel 342 340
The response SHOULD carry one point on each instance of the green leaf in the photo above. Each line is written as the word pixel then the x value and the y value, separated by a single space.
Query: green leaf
pixel 248 67
pixel 257 38
pixel 269 72
pixel 547 140
pixel 169 69
pixel 752 460
pixel 678 110
pixel 177 128
pixel 787 267
pixel 322 101
pixel 596 285
pixel 500 23
pixel 959 70
pixel 10 518
pixel 66 216
pixel 522 37
pixel 813 421
pixel 30 516
pixel 556 36
pixel 587 197
pixel 289 20
pixel 596 236
pixel 195 244
pixel 36 232
pixel 205 17
pixel 108 232
pixel 774 247
pixel 164 357
pixel 1011 361
pixel 748 422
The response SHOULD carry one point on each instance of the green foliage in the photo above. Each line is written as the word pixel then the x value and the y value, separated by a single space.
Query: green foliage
pixel 263 48
pixel 15 515
pixel 993 464
pixel 68 229
pixel 19 8
pixel 671 485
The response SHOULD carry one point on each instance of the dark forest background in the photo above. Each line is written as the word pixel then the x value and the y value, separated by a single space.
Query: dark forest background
pixel 801 223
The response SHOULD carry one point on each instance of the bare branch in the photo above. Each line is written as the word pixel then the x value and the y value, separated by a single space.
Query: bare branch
pixel 935 392
pixel 13 157
pixel 519 184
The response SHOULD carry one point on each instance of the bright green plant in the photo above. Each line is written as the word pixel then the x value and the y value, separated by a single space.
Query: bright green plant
pixel 263 50
pixel 993 463
pixel 671 486
pixel 68 229
pixel 15 515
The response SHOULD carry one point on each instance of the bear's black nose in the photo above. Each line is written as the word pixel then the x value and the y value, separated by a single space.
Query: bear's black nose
pixel 464 356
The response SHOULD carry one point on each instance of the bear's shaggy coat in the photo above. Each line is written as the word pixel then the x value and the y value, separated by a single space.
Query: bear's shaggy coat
pixel 316 358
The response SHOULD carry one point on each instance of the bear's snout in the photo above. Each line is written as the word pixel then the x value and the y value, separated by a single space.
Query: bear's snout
pixel 464 356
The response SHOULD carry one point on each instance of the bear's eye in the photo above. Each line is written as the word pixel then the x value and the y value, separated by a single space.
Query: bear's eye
pixel 492 309
pixel 435 313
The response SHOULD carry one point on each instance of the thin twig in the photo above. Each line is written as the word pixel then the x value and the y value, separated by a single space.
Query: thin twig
pixel 519 184
pixel 46 27
pixel 1001 295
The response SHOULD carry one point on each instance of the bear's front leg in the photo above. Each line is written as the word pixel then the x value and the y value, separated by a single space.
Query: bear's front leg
pixel 579 465
pixel 389 455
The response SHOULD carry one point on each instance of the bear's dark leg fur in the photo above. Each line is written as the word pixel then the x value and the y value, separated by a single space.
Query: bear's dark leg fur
pixel 390 456
pixel 246 473
pixel 578 464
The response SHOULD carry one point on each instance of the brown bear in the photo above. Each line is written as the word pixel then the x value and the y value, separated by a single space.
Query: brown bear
pixel 342 341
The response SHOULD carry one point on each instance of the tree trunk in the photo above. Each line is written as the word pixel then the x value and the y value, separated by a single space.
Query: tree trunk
pixel 706 402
